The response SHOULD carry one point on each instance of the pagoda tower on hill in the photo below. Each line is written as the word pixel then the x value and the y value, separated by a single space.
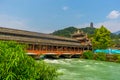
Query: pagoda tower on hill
pixel 91 25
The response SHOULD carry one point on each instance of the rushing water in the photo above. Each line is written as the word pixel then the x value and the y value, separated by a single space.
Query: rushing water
pixel 77 69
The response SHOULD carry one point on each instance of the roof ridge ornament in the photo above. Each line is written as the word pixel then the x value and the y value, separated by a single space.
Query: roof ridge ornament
pixel 78 31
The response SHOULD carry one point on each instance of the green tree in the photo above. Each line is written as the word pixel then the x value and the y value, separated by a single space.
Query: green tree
pixel 101 38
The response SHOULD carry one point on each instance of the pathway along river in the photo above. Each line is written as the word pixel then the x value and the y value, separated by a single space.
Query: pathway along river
pixel 79 69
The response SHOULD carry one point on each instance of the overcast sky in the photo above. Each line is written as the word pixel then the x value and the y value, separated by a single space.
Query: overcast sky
pixel 47 16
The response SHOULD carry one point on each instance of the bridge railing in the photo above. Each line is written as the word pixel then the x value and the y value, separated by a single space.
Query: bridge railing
pixel 38 52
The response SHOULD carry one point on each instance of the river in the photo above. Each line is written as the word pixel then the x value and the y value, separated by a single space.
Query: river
pixel 80 69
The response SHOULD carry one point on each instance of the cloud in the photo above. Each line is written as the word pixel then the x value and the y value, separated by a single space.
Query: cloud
pixel 13 22
pixel 113 14
pixel 113 26
pixel 22 24
pixel 65 8
pixel 83 25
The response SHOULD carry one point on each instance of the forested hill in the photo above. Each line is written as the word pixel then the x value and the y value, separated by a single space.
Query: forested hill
pixel 66 32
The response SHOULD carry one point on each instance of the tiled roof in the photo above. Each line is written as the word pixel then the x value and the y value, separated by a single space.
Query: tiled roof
pixel 35 37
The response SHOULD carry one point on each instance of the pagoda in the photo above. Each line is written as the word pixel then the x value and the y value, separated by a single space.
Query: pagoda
pixel 81 37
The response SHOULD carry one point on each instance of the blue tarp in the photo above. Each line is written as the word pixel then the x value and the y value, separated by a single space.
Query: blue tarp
pixel 108 51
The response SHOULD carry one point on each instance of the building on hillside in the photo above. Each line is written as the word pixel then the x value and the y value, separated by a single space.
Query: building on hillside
pixel 39 43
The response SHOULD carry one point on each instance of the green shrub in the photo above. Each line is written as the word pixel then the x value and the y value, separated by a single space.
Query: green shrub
pixel 112 57
pixel 16 65
pixel 100 56
pixel 115 56
pixel 88 55
pixel 118 58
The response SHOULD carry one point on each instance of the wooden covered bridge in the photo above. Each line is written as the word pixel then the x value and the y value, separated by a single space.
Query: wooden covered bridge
pixel 39 43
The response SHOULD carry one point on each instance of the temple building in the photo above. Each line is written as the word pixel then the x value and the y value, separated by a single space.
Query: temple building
pixel 39 43
pixel 82 38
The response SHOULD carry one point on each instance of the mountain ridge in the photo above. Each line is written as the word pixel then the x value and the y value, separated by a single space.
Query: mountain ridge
pixel 117 33
pixel 67 32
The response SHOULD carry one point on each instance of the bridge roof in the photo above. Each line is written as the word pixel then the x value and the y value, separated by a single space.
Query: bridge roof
pixel 35 37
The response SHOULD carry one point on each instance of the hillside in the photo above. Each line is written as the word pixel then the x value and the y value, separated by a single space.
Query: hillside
pixel 66 32
pixel 88 30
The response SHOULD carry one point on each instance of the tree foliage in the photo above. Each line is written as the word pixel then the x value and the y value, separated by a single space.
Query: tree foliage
pixel 90 31
pixel 16 65
pixel 101 38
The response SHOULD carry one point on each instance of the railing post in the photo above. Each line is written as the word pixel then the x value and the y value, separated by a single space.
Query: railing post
pixel 33 46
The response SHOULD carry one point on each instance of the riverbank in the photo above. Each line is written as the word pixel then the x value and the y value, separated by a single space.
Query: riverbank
pixel 80 69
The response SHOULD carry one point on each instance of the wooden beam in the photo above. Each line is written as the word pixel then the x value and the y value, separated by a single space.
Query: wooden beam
pixel 33 46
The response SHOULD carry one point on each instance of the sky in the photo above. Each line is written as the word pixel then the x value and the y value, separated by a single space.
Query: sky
pixel 46 16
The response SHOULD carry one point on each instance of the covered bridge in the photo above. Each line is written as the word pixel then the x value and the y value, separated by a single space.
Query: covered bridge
pixel 39 43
